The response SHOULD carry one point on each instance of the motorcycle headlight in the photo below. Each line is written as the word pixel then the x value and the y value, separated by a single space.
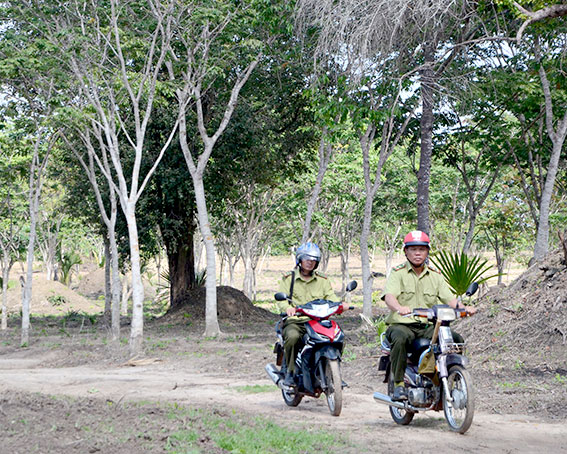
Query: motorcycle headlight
pixel 446 314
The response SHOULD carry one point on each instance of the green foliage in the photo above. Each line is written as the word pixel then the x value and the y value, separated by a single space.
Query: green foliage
pixel 380 326
pixel 67 261
pixel 57 300
pixel 460 270
pixel 201 277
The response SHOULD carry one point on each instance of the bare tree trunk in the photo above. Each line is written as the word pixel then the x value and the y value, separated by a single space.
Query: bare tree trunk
pixel 116 284
pixel 212 327
pixel 181 262
pixel 5 277
pixel 191 92
pixel 137 327
pixel 426 125
pixel 27 288
pixel 345 272
pixel 325 155
pixel 125 295
pixel 389 141
pixel 391 248
pixel 557 137
pixel 35 185
pixel 107 314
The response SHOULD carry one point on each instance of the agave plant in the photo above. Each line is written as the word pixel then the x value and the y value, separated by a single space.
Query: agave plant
pixel 460 270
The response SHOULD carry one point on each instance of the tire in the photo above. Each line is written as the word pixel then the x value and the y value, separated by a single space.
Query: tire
pixel 292 399
pixel 334 389
pixel 399 416
pixel 459 414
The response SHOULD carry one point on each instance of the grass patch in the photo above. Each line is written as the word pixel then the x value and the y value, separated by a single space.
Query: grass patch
pixel 255 389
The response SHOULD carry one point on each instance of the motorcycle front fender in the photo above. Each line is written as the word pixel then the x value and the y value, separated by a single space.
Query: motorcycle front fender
pixel 328 351
pixel 458 360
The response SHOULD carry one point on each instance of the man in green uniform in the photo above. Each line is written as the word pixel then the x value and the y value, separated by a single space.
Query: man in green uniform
pixel 411 285
pixel 303 284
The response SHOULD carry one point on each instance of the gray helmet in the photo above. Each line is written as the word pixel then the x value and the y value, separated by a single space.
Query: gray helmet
pixel 308 251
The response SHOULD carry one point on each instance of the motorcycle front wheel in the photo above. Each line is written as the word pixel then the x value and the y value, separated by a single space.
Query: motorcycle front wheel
pixel 459 413
pixel 399 416
pixel 334 389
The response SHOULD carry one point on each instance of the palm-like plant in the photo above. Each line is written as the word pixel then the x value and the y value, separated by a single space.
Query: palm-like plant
pixel 460 270
pixel 67 261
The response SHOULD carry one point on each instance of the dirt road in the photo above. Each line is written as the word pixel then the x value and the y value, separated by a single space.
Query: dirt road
pixel 364 421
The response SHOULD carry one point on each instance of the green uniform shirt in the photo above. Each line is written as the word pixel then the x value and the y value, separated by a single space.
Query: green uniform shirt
pixel 425 290
pixel 316 287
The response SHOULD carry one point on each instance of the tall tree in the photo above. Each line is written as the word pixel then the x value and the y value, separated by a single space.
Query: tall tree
pixel 116 68
pixel 227 39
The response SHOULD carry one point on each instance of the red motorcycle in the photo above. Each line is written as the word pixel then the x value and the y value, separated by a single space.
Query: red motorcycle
pixel 318 361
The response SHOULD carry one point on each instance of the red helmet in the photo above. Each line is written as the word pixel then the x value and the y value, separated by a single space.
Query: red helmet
pixel 416 238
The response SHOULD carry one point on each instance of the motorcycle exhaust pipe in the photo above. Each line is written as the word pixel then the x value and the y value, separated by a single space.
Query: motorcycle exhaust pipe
pixel 383 398
pixel 274 374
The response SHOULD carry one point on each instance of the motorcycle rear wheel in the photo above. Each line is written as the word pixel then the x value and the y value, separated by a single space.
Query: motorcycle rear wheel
pixel 399 416
pixel 459 414
pixel 291 398
pixel 334 390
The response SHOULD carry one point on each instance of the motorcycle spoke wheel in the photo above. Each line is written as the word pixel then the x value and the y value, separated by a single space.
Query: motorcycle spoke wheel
pixel 459 413
pixel 291 398
pixel 334 390
pixel 399 416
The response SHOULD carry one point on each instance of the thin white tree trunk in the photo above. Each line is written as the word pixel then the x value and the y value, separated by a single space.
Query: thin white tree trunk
pixel 115 284
pixel 211 320
pixel 35 185
pixel 5 277
pixel 137 327
pixel 557 138
pixel 27 288
pixel 325 155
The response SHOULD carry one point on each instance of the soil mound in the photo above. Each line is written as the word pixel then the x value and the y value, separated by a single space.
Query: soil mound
pixel 92 284
pixel 232 305
pixel 52 298
pixel 525 322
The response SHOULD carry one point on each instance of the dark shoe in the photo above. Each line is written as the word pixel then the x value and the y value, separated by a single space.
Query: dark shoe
pixel 344 384
pixel 288 380
pixel 399 394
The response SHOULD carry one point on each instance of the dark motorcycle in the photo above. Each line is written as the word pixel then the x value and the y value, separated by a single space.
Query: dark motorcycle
pixel 318 361
pixel 436 377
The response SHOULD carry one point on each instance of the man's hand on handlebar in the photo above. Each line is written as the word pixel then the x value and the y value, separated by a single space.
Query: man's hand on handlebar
pixel 471 310
pixel 404 310
pixel 290 311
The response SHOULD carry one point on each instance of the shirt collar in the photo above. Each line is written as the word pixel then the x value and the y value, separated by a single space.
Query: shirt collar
pixel 409 269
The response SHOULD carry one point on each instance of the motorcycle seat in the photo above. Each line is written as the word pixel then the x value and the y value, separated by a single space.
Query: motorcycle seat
pixel 417 347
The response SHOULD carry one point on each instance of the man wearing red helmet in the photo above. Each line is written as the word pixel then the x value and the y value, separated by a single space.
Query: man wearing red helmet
pixel 411 285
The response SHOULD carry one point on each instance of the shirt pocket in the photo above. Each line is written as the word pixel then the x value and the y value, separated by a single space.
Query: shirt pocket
pixel 430 298
pixel 407 298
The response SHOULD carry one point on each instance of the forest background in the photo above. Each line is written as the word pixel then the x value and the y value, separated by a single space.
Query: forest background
pixel 181 138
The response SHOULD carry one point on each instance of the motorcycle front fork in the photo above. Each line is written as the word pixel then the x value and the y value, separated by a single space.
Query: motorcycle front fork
pixel 443 373
pixel 322 377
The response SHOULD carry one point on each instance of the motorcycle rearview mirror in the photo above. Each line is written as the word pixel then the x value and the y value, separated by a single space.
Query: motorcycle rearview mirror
pixel 280 296
pixel 351 286
pixel 472 289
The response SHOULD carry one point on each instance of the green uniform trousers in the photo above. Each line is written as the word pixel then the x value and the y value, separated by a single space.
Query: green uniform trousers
pixel 400 337
pixel 293 332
